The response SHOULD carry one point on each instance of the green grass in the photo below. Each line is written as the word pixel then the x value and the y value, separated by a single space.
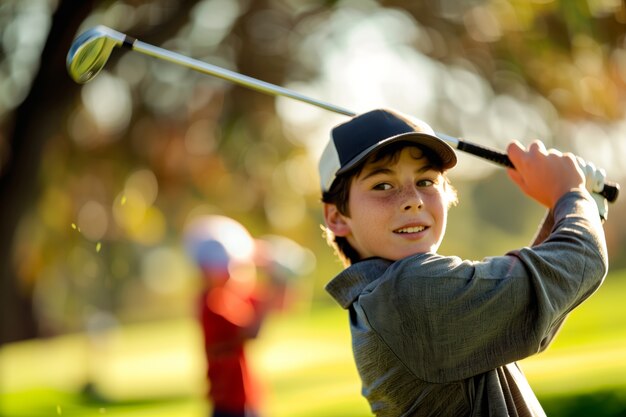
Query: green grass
pixel 304 358
pixel 50 402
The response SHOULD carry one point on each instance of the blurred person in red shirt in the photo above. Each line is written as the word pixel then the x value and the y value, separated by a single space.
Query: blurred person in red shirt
pixel 231 311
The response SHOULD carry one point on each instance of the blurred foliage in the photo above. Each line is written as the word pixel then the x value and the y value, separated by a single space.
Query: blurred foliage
pixel 124 161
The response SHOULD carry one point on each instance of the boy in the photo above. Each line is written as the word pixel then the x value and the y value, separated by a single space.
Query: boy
pixel 435 335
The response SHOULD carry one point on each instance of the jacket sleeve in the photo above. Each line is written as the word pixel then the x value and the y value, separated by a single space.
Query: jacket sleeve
pixel 448 319
pixel 545 229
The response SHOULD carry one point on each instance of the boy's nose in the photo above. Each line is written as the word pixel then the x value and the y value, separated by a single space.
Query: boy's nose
pixel 412 199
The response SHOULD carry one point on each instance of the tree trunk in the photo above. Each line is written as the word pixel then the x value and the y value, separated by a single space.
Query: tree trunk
pixel 38 117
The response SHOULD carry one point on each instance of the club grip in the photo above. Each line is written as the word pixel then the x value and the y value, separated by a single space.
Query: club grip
pixel 610 190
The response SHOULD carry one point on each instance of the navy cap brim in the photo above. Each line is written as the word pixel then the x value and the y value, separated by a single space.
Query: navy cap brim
pixel 444 151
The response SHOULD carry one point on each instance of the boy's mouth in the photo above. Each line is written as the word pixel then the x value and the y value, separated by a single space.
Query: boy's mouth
pixel 412 229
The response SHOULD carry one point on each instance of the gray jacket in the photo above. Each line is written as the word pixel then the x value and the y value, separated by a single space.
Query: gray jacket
pixel 438 336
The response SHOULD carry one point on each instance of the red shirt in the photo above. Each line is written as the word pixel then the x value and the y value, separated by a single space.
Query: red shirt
pixel 228 320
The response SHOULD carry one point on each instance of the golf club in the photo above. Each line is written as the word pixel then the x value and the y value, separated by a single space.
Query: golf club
pixel 90 51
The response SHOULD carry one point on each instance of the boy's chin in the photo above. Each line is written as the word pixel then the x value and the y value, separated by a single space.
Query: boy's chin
pixel 401 253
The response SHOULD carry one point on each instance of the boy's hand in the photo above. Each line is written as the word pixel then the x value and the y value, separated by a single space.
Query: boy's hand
pixel 544 175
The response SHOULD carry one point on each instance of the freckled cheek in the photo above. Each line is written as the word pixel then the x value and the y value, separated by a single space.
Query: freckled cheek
pixel 368 217
pixel 439 213
pixel 373 203
pixel 367 213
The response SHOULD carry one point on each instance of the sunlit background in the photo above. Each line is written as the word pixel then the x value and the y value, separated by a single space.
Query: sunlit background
pixel 97 182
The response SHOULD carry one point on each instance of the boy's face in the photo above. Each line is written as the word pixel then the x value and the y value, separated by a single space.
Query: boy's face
pixel 397 208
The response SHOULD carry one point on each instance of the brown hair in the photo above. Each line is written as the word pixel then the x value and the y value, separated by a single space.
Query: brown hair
pixel 339 193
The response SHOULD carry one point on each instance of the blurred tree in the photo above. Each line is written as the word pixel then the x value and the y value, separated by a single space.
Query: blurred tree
pixel 32 122
pixel 563 49
pixel 42 115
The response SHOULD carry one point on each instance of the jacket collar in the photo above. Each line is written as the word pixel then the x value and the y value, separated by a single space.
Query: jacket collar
pixel 350 283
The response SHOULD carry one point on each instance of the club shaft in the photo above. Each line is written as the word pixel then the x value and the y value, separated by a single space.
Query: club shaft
pixel 234 77
pixel 610 190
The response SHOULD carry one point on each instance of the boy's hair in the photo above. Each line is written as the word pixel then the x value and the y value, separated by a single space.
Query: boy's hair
pixel 339 192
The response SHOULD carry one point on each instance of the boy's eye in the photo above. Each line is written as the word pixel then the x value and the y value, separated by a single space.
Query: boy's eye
pixel 382 186
pixel 425 183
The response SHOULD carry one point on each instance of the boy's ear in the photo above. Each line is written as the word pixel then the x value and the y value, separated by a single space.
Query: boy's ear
pixel 335 221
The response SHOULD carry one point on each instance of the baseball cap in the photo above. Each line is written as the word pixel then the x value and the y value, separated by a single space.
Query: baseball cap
pixel 353 141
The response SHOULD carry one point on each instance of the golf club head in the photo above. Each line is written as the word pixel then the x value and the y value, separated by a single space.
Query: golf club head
pixel 90 51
